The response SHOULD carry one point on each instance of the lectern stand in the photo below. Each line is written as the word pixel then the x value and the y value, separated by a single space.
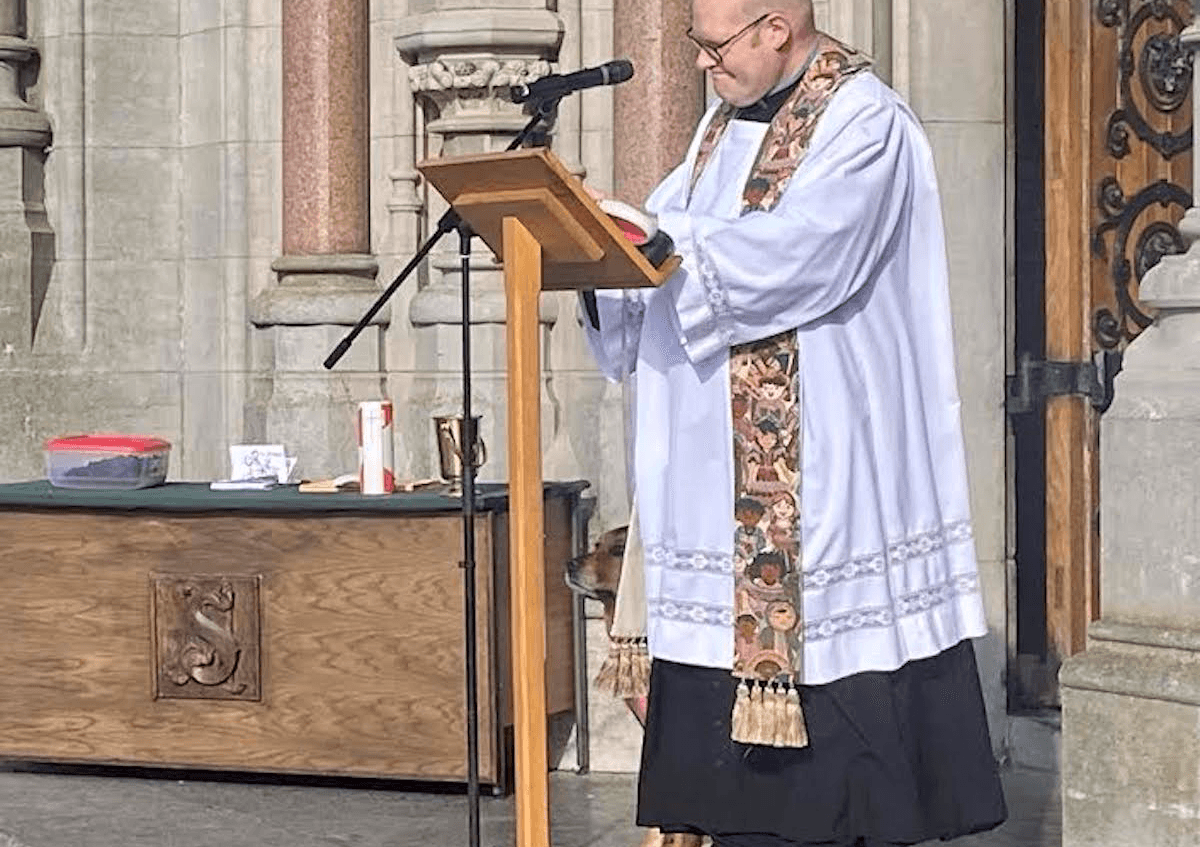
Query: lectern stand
pixel 551 236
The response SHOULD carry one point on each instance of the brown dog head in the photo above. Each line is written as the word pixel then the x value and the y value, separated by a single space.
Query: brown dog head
pixel 598 573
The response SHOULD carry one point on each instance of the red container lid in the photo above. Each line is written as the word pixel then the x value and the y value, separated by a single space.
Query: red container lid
pixel 108 443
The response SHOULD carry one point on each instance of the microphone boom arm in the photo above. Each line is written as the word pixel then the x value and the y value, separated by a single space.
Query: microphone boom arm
pixel 448 223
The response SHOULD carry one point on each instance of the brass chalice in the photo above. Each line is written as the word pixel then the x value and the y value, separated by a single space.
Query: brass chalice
pixel 449 430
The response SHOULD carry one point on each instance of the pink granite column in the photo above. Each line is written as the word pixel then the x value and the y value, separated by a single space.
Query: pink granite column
pixel 656 112
pixel 326 273
pixel 325 127
pixel 326 270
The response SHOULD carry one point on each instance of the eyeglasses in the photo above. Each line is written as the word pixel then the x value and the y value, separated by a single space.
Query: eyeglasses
pixel 713 51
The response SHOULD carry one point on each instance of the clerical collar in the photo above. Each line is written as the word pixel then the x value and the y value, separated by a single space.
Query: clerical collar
pixel 763 110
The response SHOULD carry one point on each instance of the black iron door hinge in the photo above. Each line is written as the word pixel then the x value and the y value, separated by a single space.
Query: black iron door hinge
pixel 1037 379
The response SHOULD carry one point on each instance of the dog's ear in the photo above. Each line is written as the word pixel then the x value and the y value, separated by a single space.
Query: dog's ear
pixel 615 540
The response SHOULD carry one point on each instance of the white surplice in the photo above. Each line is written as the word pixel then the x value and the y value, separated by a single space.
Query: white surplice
pixel 853 260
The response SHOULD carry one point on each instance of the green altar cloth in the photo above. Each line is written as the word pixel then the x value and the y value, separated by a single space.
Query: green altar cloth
pixel 198 497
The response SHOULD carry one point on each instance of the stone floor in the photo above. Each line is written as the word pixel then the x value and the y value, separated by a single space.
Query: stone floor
pixel 50 807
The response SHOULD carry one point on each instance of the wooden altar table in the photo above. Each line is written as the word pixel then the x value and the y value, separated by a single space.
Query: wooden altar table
pixel 264 631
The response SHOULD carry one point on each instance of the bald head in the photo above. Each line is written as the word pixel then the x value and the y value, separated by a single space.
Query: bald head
pixel 796 16
pixel 798 12
pixel 761 42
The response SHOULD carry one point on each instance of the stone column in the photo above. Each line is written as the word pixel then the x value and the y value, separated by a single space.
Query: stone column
pixel 326 273
pixel 863 24
pixel 1131 701
pixel 656 112
pixel 463 62
pixel 399 227
pixel 26 242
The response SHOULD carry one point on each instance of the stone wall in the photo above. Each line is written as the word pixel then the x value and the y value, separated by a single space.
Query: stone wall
pixel 162 192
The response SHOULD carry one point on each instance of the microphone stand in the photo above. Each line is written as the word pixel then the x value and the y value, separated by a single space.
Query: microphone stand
pixel 450 222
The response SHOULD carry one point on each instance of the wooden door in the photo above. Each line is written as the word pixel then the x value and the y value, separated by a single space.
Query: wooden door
pixel 1117 178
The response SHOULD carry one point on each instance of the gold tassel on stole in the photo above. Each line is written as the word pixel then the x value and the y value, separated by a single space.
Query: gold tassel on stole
pixel 626 671
pixel 768 715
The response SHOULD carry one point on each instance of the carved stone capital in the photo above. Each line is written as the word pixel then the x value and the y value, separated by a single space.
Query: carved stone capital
pixel 464 62
pixel 516 33
pixel 470 95
pixel 482 75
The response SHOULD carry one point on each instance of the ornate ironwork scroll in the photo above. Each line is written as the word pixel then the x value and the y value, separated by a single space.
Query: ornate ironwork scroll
pixel 1162 66
pixel 206 637
pixel 1154 83
pixel 1155 240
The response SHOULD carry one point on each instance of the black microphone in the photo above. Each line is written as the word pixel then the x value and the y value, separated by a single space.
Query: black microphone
pixel 556 85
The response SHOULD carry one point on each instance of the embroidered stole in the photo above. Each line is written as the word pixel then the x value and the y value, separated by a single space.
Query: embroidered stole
pixel 767 425
pixel 767 406
pixel 791 130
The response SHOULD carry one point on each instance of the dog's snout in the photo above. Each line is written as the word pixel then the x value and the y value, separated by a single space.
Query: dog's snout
pixel 574 580
pixel 575 566
pixel 596 574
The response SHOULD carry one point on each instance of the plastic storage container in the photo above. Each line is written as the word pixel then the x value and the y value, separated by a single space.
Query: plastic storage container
pixel 107 461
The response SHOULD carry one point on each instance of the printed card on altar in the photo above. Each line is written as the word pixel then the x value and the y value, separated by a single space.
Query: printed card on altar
pixel 258 461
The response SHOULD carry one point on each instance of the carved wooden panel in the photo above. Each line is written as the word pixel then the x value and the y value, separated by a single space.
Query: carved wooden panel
pixel 1142 178
pixel 206 637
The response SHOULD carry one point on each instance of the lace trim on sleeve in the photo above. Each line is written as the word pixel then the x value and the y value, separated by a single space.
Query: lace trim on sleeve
pixel 716 294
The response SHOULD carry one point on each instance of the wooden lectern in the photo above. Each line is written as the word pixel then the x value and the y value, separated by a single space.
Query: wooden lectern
pixel 551 236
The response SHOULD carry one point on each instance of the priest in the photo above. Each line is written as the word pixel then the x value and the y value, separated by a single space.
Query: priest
pixel 810 575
